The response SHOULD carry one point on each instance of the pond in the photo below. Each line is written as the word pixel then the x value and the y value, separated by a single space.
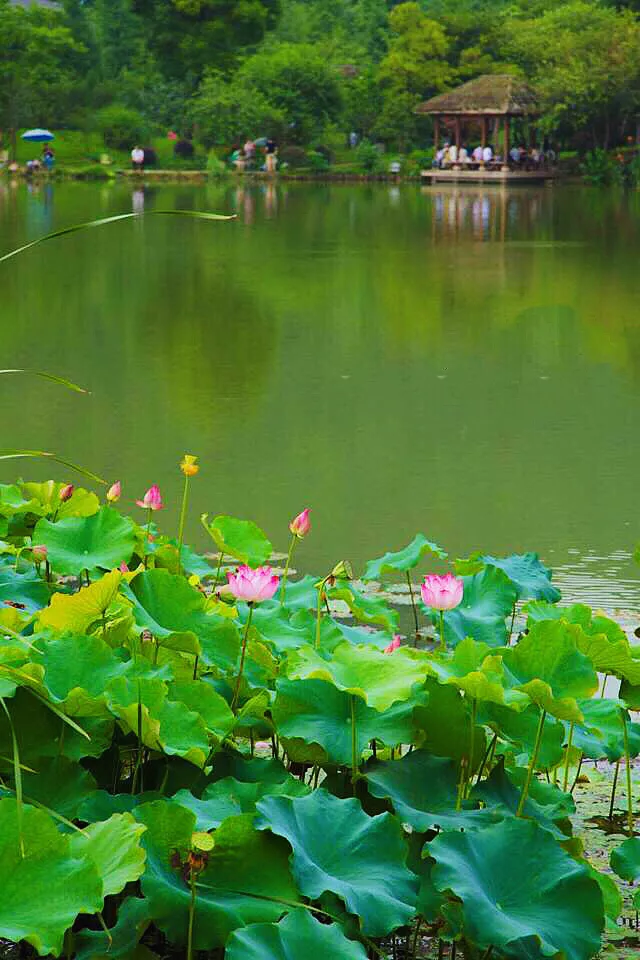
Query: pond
pixel 460 361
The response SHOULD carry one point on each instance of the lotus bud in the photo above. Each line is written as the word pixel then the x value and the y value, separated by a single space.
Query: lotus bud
pixel 342 571
pixel 39 552
pixel 66 492
pixel 152 499
pixel 395 643
pixel 300 525
pixel 114 492
pixel 188 465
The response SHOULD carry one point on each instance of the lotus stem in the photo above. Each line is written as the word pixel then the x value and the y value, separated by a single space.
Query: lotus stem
pixel 138 766
pixel 613 788
pixel 319 611
pixel 627 759
pixel 443 645
pixel 146 537
pixel 604 684
pixel 192 915
pixel 220 559
pixel 413 606
pixel 487 752
pixel 195 666
pixel 245 638
pixel 414 946
pixel 532 764
pixel 577 777
pixel 354 746
pixel 474 711
pixel 461 783
pixel 565 782
pixel 513 618
pixel 286 569
pixel 183 515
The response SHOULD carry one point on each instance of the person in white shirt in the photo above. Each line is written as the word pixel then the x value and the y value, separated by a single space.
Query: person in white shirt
pixel 137 158
pixel 477 154
pixel 487 155
pixel 439 157
pixel 453 153
pixel 463 156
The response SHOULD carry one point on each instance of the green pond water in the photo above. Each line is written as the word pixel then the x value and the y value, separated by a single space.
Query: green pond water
pixel 460 361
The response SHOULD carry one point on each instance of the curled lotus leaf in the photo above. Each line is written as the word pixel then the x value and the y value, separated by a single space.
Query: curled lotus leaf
pixel 336 847
pixel 379 679
pixel 46 889
pixel 600 734
pixel 366 609
pixel 96 543
pixel 77 612
pixel 229 797
pixel 401 561
pixel 520 892
pixel 547 805
pixel 77 669
pixel 444 725
pixel 548 666
pixel 625 859
pixel 246 879
pixel 476 670
pixel 122 941
pixel 297 935
pixel 529 575
pixel 241 539
pixel 114 846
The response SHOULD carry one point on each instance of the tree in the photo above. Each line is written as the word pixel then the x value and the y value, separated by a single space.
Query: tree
pixel 36 76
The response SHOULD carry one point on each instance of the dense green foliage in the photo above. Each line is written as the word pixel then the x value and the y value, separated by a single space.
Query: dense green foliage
pixel 309 72
pixel 268 779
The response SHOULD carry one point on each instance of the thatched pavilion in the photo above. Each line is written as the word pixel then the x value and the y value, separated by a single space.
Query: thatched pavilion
pixel 491 99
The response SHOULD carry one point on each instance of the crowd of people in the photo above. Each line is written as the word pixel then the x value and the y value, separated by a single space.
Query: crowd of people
pixel 247 157
pixel 46 162
pixel 449 155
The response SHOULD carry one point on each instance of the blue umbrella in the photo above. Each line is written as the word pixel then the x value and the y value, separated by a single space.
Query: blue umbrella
pixel 38 135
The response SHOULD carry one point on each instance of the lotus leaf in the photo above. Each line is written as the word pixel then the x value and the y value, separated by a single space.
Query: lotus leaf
pixel 13 501
pixel 203 699
pixel 403 560
pixel 423 790
pixel 445 725
pixel 530 576
pixel 245 868
pixel 297 935
pixel 488 598
pixel 366 609
pixel 79 611
pixel 337 847
pixel 241 539
pixel 23 588
pixel 625 859
pixel 114 847
pixel 520 892
pixel 317 712
pixel 479 675
pixel 40 733
pixel 96 543
pixel 59 784
pixel 547 665
pixel 379 679
pixel 601 733
pixel 229 797
pixel 82 503
pixel 77 670
pixel 134 917
pixel 546 804
pixel 519 730
pixel 44 891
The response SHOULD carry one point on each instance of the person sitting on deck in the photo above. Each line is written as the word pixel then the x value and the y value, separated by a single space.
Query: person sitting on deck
pixel 453 153
pixel 477 154
pixel 463 156
pixel 487 154
pixel 514 155
pixel 437 160
pixel 446 156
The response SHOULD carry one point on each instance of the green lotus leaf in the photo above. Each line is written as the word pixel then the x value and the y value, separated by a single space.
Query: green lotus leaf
pixel 297 935
pixel 611 896
pixel 241 539
pixel 367 609
pixel 13 502
pixel 519 729
pixel 82 503
pixel 176 614
pixel 301 594
pixel 77 670
pixel 229 797
pixel 601 733
pixel 283 633
pixel 403 560
pixel 529 575
pixel 379 679
pixel 77 612
pixel 337 847
pixel 201 698
pixel 25 589
pixel 545 804
pixel 244 868
pixel 423 790
pixel 480 675
pixel 445 725
pixel 319 713
pixel 97 543
pixel 46 889
pixel 625 859
pixel 114 847
pixel 249 769
pixel 134 917
pixel 101 805
pixel 547 665
pixel 543 610
pixel 520 892
pixel 59 784
pixel 488 598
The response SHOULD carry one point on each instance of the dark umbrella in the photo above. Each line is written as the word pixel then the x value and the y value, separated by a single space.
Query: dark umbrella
pixel 261 142
pixel 38 135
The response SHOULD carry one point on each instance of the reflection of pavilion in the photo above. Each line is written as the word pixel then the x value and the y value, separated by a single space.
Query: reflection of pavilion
pixel 468 213
pixel 486 112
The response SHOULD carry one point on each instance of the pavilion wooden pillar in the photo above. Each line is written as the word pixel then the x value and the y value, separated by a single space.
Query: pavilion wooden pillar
pixel 436 134
pixel 483 131
pixel 505 159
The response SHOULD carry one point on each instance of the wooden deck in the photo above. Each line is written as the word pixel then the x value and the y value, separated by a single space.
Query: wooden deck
pixel 488 176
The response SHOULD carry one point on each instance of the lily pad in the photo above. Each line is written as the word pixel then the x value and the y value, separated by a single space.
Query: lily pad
pixel 77 612
pixel 297 935
pixel 241 539
pixel 403 560
pixel 337 847
pixel 530 576
pixel 96 543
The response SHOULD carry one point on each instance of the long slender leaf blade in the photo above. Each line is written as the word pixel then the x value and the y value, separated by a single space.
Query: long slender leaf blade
pixel 50 376
pixel 17 454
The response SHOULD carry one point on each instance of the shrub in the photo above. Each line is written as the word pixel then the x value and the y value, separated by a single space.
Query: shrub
pixel 600 169
pixel 293 156
pixel 150 157
pixel 121 127
pixel 317 161
pixel 215 166
pixel 368 157
pixel 184 149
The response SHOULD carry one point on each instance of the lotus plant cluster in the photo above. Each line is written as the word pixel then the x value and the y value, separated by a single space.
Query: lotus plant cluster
pixel 203 753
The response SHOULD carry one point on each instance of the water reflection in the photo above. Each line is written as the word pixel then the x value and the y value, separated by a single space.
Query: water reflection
pixel 460 361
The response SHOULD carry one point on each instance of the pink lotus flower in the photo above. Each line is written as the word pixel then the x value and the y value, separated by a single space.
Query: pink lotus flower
pixel 395 643
pixel 66 492
pixel 442 593
pixel 253 585
pixel 300 525
pixel 152 499
pixel 39 552
pixel 114 492
pixel 123 567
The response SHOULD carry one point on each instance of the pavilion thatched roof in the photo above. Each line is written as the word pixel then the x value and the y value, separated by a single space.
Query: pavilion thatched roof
pixel 497 94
